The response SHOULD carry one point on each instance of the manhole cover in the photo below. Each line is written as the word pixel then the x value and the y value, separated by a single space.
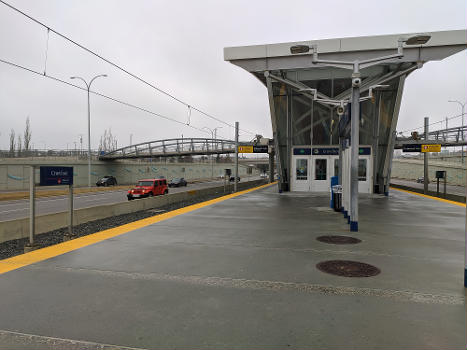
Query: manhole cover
pixel 348 268
pixel 338 239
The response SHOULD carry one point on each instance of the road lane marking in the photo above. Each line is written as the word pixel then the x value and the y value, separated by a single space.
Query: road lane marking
pixel 431 197
pixel 38 255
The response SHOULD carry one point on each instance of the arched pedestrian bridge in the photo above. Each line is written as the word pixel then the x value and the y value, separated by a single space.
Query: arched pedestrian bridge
pixel 172 148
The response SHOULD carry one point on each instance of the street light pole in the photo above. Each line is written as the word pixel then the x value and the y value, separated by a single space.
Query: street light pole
pixel 88 87
pixel 213 137
pixel 462 119
pixel 465 228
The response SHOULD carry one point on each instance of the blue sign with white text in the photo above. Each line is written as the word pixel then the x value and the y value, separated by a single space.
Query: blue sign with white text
pixel 56 175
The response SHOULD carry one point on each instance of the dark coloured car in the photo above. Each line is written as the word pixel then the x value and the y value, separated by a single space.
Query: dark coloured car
pixel 421 180
pixel 178 182
pixel 232 179
pixel 107 181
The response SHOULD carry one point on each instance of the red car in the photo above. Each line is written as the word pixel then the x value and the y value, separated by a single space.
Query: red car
pixel 148 188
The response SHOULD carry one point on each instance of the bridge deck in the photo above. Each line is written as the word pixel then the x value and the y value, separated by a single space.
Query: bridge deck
pixel 242 272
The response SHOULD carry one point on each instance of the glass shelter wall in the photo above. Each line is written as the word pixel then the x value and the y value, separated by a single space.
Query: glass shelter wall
pixel 301 121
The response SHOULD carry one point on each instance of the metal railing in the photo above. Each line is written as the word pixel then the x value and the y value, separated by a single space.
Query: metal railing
pixel 171 148
pixel 446 137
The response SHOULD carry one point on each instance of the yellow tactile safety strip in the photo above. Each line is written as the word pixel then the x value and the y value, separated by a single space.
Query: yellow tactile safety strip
pixel 49 252
pixel 431 197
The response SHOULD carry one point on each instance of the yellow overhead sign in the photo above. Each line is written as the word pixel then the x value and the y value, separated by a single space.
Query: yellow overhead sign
pixel 431 148
pixel 245 149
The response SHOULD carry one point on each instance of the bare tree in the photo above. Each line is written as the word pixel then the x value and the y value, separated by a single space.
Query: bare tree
pixel 108 142
pixel 12 142
pixel 19 145
pixel 27 135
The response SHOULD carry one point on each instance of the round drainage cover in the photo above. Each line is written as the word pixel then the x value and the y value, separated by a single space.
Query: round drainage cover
pixel 338 239
pixel 348 268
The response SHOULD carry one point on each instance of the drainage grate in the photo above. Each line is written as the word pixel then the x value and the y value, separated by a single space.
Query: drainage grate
pixel 348 268
pixel 338 239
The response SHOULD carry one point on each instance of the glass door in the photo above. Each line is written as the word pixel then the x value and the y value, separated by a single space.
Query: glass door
pixel 301 174
pixel 321 179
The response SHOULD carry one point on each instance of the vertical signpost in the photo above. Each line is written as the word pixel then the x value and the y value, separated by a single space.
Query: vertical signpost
pixel 56 176
pixel 32 210
pixel 236 158
pixel 425 161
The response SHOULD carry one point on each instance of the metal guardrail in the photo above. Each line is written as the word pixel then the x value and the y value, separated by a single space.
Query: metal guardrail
pixel 172 148
pixel 450 137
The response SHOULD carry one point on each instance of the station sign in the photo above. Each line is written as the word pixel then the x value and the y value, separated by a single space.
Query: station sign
pixel 56 175
pixel 253 149
pixel 411 148
pixel 334 151
pixel 303 151
pixel 431 148
pixel 421 148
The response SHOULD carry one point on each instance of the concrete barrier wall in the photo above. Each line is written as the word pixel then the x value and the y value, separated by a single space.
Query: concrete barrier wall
pixel 19 228
pixel 412 169
pixel 14 173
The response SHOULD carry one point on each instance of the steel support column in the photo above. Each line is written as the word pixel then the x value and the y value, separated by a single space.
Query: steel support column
pixel 425 161
pixel 355 142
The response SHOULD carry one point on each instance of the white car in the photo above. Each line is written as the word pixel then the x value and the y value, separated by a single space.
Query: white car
pixel 263 176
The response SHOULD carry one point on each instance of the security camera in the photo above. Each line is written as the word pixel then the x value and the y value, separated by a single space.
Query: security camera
pixel 340 110
pixel 356 82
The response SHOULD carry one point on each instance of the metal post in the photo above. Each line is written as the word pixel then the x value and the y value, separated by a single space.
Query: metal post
pixel 271 167
pixel 355 143
pixel 445 176
pixel 32 206
pixel 339 171
pixel 462 148
pixel 425 161
pixel 236 158
pixel 70 202
pixel 465 253
pixel 89 138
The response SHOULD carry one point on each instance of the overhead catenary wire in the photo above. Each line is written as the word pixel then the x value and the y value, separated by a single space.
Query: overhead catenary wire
pixel 119 67
pixel 99 94
pixel 434 123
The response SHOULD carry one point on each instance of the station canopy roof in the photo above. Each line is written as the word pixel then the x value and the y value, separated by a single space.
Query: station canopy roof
pixel 277 57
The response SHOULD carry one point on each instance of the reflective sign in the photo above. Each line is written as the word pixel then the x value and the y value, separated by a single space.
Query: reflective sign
pixel 245 149
pixel 56 175
pixel 253 149
pixel 431 148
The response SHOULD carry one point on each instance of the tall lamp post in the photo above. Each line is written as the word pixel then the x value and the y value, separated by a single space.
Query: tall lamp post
pixel 88 87
pixel 214 137
pixel 356 65
pixel 462 119
pixel 465 253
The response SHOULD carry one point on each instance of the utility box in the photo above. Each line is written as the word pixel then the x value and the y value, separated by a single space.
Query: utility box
pixel 441 174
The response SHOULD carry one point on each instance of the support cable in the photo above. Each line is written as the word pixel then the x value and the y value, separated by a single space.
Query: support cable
pixel 438 122
pixel 46 51
pixel 99 94
pixel 116 65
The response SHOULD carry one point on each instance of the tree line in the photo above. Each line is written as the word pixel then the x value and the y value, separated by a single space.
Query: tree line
pixel 19 144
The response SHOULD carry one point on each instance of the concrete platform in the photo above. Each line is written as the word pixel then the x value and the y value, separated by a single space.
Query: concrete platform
pixel 242 273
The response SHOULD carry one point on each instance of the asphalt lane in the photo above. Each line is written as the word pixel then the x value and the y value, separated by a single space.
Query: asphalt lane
pixel 452 189
pixel 16 209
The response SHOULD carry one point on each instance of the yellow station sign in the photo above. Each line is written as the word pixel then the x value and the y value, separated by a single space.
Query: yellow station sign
pixel 431 148
pixel 245 149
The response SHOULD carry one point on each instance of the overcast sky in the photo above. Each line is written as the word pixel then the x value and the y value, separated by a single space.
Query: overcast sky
pixel 178 46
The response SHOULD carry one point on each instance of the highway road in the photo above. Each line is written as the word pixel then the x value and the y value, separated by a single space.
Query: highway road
pixel 452 189
pixel 16 209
